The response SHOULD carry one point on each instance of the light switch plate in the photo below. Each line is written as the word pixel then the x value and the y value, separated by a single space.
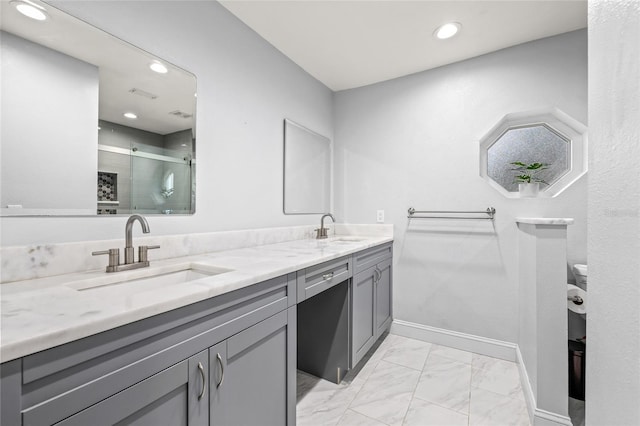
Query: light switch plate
pixel 380 216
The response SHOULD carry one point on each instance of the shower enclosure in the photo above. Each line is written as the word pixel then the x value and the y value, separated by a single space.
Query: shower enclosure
pixel 143 172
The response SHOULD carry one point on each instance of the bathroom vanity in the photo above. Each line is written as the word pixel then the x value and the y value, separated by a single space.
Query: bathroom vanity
pixel 228 358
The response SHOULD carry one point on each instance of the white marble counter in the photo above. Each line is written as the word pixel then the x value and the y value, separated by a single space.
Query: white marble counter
pixel 42 313
pixel 545 220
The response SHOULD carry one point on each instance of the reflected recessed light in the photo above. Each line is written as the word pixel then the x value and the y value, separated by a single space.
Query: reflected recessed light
pixel 130 115
pixel 159 68
pixel 447 30
pixel 30 10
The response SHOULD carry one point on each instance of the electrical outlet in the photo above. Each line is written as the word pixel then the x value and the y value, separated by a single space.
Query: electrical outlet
pixel 380 216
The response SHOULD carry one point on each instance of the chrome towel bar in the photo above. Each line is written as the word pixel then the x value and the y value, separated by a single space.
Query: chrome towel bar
pixel 490 212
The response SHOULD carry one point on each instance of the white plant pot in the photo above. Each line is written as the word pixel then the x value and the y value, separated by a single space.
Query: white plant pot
pixel 529 190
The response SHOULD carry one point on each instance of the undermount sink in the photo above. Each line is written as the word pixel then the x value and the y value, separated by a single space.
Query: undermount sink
pixel 166 276
pixel 348 240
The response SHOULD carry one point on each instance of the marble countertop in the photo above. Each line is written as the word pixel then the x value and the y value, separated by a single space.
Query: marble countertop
pixel 42 313
pixel 545 220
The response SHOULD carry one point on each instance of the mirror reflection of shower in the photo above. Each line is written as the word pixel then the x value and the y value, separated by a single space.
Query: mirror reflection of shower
pixel 144 172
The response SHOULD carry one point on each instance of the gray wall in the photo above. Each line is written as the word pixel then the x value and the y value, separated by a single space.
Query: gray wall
pixel 245 90
pixel 613 363
pixel 40 82
pixel 413 141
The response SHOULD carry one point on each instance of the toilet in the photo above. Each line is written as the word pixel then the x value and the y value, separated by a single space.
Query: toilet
pixel 580 272
pixel 577 348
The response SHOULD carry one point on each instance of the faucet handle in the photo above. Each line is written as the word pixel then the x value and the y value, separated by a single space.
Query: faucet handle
pixel 114 256
pixel 321 233
pixel 142 252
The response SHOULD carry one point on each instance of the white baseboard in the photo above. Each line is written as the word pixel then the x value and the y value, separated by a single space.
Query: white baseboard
pixel 538 416
pixel 546 418
pixel 454 339
pixel 484 346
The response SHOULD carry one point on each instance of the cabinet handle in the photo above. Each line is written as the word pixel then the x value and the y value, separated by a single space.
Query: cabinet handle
pixel 377 274
pixel 204 381
pixel 327 276
pixel 221 369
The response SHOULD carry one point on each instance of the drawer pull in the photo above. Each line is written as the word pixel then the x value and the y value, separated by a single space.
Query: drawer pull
pixel 221 369
pixel 204 381
pixel 327 276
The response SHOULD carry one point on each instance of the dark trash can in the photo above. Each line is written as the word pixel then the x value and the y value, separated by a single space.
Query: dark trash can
pixel 576 369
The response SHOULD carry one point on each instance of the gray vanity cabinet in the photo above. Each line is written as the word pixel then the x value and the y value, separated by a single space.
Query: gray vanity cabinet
pixel 383 297
pixel 174 396
pixel 227 360
pixel 157 371
pixel 249 376
pixel 371 298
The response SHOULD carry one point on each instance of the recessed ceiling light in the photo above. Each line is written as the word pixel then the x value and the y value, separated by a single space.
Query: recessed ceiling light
pixel 447 30
pixel 159 68
pixel 130 115
pixel 30 10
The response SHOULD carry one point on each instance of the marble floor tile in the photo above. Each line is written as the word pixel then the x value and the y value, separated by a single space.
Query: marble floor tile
pixel 408 352
pixel 305 384
pixel 488 408
pixel 351 418
pixel 423 413
pixel 496 375
pixel 326 402
pixel 446 383
pixel 387 393
pixel 394 385
pixel 451 353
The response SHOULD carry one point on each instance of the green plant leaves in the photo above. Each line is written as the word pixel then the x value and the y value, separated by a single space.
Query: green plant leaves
pixel 527 172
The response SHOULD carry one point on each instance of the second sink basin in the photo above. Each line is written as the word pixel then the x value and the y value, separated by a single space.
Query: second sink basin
pixel 141 278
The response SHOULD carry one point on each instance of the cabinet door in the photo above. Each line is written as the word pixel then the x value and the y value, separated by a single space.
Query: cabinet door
pixel 166 398
pixel 363 293
pixel 249 376
pixel 383 297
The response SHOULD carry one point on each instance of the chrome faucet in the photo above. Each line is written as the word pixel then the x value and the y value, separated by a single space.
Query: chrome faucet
pixel 129 260
pixel 128 236
pixel 322 232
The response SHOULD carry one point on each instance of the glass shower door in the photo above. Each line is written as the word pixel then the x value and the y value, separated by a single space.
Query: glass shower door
pixel 161 180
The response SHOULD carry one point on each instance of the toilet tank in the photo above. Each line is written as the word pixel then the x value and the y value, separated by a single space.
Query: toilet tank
pixel 580 272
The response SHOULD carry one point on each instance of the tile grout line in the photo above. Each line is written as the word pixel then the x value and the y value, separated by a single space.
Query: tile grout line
pixel 413 393
pixel 368 417
pixel 363 385
pixel 468 414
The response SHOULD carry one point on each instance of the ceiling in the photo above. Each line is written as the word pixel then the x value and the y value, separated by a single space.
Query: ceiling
pixel 347 44
pixel 122 67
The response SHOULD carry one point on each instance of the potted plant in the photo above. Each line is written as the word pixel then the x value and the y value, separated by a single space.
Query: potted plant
pixel 527 177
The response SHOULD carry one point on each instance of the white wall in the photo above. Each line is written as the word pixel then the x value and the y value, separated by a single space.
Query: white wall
pixel 245 90
pixel 613 323
pixel 36 154
pixel 413 141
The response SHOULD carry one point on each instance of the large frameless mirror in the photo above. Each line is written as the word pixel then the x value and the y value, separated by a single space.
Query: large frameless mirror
pixel 547 146
pixel 91 125
pixel 307 170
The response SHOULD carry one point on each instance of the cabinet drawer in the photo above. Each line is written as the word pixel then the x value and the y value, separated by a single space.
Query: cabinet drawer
pixel 316 279
pixel 367 258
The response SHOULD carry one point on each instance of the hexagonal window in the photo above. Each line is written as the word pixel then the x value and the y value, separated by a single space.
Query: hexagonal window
pixel 550 138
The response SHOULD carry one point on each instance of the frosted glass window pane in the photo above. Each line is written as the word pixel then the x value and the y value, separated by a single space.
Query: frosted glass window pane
pixel 531 144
